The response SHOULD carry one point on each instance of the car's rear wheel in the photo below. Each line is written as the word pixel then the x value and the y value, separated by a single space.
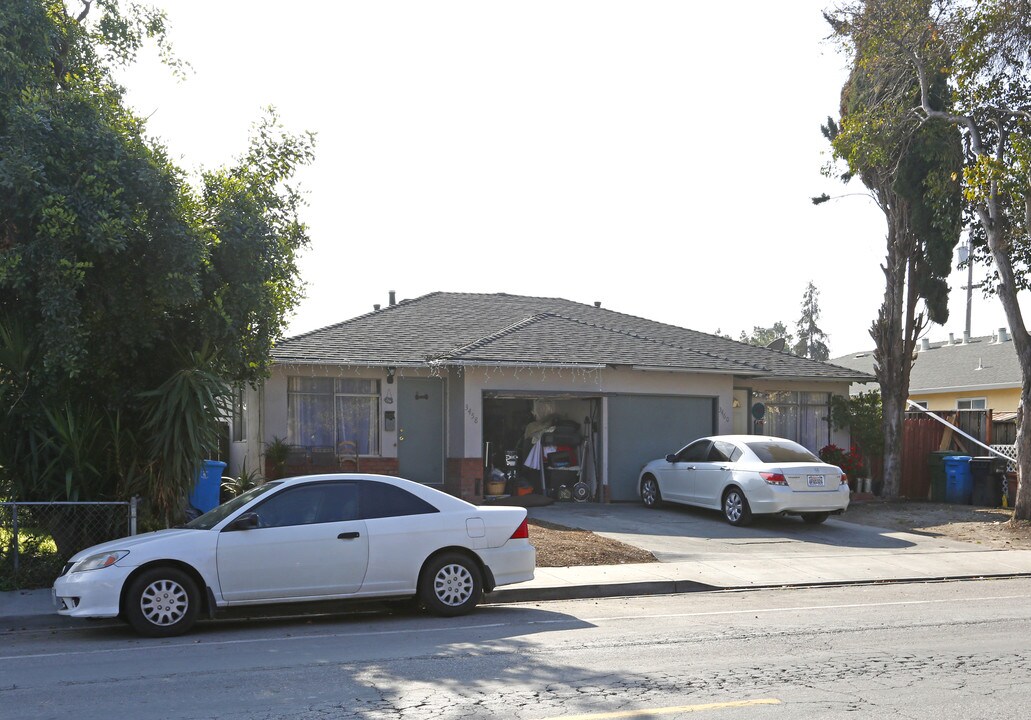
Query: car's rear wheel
pixel 815 518
pixel 650 495
pixel 451 585
pixel 735 507
pixel 162 602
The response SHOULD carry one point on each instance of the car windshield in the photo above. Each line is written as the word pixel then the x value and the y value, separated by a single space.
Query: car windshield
pixel 213 517
pixel 779 451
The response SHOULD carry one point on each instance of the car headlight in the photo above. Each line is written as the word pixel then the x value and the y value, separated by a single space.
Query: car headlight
pixel 98 561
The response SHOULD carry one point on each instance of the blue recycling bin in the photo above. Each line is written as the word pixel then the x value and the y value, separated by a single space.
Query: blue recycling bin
pixel 959 482
pixel 209 483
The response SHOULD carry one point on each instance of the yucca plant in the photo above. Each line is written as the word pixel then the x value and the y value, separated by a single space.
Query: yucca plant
pixel 181 428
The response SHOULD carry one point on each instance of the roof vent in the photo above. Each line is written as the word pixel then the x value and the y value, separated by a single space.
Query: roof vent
pixel 925 344
pixel 966 336
pixel 376 306
pixel 597 303
pixel 393 298
pixel 1004 335
pixel 952 338
pixel 980 365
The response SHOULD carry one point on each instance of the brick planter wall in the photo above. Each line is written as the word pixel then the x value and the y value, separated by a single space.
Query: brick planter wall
pixel 465 478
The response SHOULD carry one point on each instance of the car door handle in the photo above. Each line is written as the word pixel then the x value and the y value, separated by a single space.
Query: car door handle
pixel 348 536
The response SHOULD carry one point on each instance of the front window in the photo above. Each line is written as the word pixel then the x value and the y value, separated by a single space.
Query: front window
pixel 326 412
pixel 971 404
pixel 800 416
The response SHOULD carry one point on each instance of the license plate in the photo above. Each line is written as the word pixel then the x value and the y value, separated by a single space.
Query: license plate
pixel 816 481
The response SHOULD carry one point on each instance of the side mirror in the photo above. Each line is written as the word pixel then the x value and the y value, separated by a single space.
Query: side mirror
pixel 671 458
pixel 247 521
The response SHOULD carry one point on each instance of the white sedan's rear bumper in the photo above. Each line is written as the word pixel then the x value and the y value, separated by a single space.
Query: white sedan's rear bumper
pixel 513 562
pixel 777 499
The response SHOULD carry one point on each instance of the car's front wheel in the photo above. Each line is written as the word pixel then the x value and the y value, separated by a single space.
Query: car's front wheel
pixel 451 585
pixel 650 495
pixel 815 518
pixel 735 507
pixel 162 602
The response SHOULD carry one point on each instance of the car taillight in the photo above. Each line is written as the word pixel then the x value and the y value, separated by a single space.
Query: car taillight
pixel 774 478
pixel 522 532
pixel 844 479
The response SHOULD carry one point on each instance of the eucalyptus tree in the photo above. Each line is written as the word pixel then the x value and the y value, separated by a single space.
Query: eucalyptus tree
pixel 912 170
pixel 129 299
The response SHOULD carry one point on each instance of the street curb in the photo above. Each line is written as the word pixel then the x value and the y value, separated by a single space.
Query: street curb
pixel 597 590
pixel 53 621
pixel 674 587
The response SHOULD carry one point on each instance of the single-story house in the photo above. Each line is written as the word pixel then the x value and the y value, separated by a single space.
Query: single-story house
pixel 451 389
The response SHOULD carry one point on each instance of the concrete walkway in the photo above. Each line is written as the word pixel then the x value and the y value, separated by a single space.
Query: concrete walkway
pixel 697 551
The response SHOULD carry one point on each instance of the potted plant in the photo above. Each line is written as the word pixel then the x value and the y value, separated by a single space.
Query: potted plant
pixel 275 457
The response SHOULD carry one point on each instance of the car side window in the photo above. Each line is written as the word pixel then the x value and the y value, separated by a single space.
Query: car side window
pixel 695 452
pixel 381 500
pixel 309 504
pixel 723 451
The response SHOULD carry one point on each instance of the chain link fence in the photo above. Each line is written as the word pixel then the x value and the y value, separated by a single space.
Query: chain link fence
pixel 37 538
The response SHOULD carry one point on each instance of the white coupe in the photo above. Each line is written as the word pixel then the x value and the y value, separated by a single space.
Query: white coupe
pixel 309 538
pixel 746 475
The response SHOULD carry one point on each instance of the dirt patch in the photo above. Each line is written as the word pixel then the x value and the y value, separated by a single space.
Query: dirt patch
pixel 559 546
pixel 989 527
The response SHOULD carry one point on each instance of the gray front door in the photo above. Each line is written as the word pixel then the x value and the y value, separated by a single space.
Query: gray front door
pixel 420 430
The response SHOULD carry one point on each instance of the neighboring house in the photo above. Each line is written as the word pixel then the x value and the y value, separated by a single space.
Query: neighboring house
pixel 973 373
pixel 441 388
pixel 976 373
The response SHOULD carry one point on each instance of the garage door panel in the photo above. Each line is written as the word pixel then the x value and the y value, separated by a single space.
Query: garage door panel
pixel 644 427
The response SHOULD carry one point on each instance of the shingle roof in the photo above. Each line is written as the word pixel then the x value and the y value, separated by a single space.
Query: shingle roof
pixel 981 363
pixel 486 329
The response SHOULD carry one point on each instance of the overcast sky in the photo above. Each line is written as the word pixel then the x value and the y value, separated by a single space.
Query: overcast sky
pixel 658 157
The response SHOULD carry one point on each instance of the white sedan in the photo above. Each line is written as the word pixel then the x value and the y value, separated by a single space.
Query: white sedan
pixel 746 475
pixel 309 538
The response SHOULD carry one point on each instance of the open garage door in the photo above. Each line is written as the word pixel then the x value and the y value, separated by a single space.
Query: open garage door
pixel 645 427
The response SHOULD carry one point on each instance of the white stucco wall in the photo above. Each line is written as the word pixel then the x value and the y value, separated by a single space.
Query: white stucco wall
pixel 464 388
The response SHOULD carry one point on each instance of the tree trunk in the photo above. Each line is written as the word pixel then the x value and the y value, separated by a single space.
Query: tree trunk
pixel 894 336
pixel 1007 292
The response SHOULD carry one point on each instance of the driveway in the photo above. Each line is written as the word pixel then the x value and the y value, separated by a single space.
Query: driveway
pixel 675 534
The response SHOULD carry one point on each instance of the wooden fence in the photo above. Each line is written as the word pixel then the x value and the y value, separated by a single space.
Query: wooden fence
pixel 922 435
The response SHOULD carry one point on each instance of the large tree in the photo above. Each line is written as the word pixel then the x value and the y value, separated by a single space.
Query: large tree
pixel 989 73
pixel 124 290
pixel 912 171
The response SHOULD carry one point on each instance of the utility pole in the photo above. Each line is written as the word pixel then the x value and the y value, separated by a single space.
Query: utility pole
pixel 966 255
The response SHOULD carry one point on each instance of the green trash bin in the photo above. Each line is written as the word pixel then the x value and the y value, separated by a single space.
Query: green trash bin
pixel 936 461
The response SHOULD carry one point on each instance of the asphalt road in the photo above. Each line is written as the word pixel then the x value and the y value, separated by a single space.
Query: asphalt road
pixel 935 650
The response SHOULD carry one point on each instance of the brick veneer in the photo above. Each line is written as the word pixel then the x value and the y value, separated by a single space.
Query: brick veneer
pixel 465 478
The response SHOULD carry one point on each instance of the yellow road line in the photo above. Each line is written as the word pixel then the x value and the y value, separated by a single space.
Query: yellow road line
pixel 653 712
